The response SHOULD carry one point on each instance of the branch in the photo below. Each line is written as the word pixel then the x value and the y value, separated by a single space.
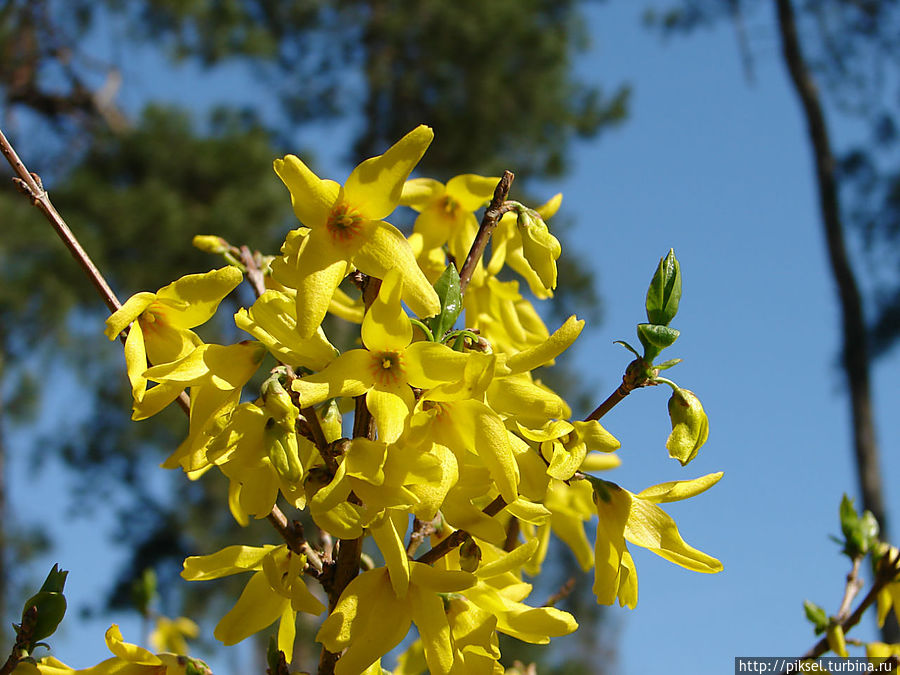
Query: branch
pixel 888 569
pixel 492 215
pixel 457 537
pixel 635 377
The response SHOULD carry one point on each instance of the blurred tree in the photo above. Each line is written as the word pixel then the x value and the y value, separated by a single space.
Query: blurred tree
pixel 851 49
pixel 494 79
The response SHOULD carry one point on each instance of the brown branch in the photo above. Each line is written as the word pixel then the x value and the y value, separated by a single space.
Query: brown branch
pixel 31 185
pixel 636 376
pixel 489 220
pixel 851 589
pixel 564 592
pixel 457 537
pixel 855 339
pixel 254 274
pixel 292 533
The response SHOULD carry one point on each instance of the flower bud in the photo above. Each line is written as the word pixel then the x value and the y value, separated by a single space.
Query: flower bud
pixel 690 426
pixel 541 248
pixel 469 556
pixel 210 243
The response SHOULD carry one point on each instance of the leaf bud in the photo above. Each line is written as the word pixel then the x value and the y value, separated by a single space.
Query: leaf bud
pixel 690 426
pixel 664 292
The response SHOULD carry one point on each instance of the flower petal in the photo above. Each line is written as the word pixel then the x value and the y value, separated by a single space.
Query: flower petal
pixel 347 375
pixel 230 560
pixel 374 187
pixel 199 294
pixel 311 197
pixel 257 608
pixel 680 489
pixel 385 326
pixel 387 249
pixel 127 313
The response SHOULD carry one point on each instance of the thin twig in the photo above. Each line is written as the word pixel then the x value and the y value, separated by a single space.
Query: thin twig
pixel 292 533
pixel 636 376
pixel 457 537
pixel 489 220
pixel 888 569
pixel 851 589
pixel 31 185
pixel 564 592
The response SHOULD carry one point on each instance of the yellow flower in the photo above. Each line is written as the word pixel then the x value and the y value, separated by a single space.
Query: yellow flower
pixel 387 368
pixel 446 213
pixel 160 332
pixel 370 618
pixel 564 445
pixel 526 245
pixel 345 228
pixel 690 426
pixel 128 659
pixel 169 634
pixel 624 516
pixel 275 591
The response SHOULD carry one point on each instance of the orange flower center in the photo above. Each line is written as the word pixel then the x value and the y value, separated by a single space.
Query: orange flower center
pixel 153 318
pixel 343 223
pixel 387 368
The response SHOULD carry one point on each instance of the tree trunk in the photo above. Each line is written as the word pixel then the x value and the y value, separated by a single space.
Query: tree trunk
pixel 855 350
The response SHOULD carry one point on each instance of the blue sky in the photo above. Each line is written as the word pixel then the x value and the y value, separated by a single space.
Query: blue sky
pixel 721 171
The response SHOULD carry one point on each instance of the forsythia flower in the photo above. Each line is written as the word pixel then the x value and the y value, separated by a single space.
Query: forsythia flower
pixel 690 426
pixel 128 659
pixel 370 619
pixel 387 368
pixel 160 332
pixel 624 516
pixel 170 635
pixel 446 213
pixel 275 591
pixel 345 227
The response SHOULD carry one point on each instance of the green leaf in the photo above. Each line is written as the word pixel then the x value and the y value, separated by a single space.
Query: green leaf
pixel 860 533
pixel 664 292
pixel 56 580
pixel 816 616
pixel 447 288
pixel 50 609
pixel 655 338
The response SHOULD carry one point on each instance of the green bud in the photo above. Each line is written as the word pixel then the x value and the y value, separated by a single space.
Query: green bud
pixel 816 616
pixel 210 243
pixel 278 403
pixel 283 451
pixel 49 609
pixel 56 580
pixel 447 289
pixel 690 426
pixel 664 292
pixel 197 667
pixel 469 556
pixel 275 657
pixel 860 533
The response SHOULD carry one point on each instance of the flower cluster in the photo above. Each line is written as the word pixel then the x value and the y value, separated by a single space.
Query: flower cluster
pixel 455 445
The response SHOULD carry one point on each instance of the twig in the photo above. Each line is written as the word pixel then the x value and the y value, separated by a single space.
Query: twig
pixel 635 376
pixel 254 274
pixel 292 533
pixel 888 570
pixel 31 185
pixel 851 590
pixel 421 530
pixel 457 537
pixel 489 220
pixel 564 592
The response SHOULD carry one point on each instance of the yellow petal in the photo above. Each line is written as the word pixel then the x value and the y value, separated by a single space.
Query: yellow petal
pixel 119 320
pixel 418 192
pixel 347 375
pixel 429 364
pixel 311 196
pixel 390 410
pixel 548 350
pixel 230 560
pixel 374 187
pixel 387 249
pixel 319 272
pixel 472 191
pixel 272 321
pixel 610 544
pixel 258 607
pixel 389 539
pixel 385 326
pixel 680 489
pixel 128 652
pixel 652 528
pixel 430 617
pixel 199 294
